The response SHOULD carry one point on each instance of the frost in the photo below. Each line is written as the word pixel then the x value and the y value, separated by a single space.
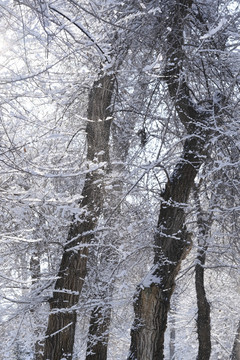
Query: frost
pixel 215 30
pixel 155 65
pixel 61 205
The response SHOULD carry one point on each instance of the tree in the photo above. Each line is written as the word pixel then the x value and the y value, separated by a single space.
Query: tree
pixel 152 299
pixel 62 319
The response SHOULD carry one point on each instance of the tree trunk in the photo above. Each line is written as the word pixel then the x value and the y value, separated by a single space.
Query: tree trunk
pixel 172 242
pixel 172 349
pixel 203 317
pixel 98 333
pixel 100 318
pixel 172 335
pixel 62 319
pixel 236 346
pixel 36 275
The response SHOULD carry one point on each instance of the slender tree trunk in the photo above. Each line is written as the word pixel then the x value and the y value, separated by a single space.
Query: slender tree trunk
pixel 98 333
pixel 36 274
pixel 172 242
pixel 172 349
pixel 100 318
pixel 203 317
pixel 236 346
pixel 172 340
pixel 62 319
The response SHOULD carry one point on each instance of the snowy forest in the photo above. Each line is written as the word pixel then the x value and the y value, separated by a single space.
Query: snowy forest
pixel 120 179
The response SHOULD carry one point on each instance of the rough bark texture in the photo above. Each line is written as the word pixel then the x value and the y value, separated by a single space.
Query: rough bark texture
pixel 236 346
pixel 172 243
pixel 62 319
pixel 100 318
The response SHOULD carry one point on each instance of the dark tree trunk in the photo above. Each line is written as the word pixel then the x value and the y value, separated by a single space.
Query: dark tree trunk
pixel 98 333
pixel 203 317
pixel 62 319
pixel 236 346
pixel 100 317
pixel 172 242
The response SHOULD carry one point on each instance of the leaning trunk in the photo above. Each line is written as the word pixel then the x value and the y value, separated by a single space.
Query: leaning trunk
pixel 172 242
pixel 63 304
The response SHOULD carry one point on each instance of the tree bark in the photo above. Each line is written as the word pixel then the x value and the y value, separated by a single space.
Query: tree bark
pixel 100 318
pixel 172 242
pixel 62 319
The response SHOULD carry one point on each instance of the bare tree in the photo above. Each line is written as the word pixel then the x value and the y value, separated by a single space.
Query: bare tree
pixel 172 241
pixel 176 124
